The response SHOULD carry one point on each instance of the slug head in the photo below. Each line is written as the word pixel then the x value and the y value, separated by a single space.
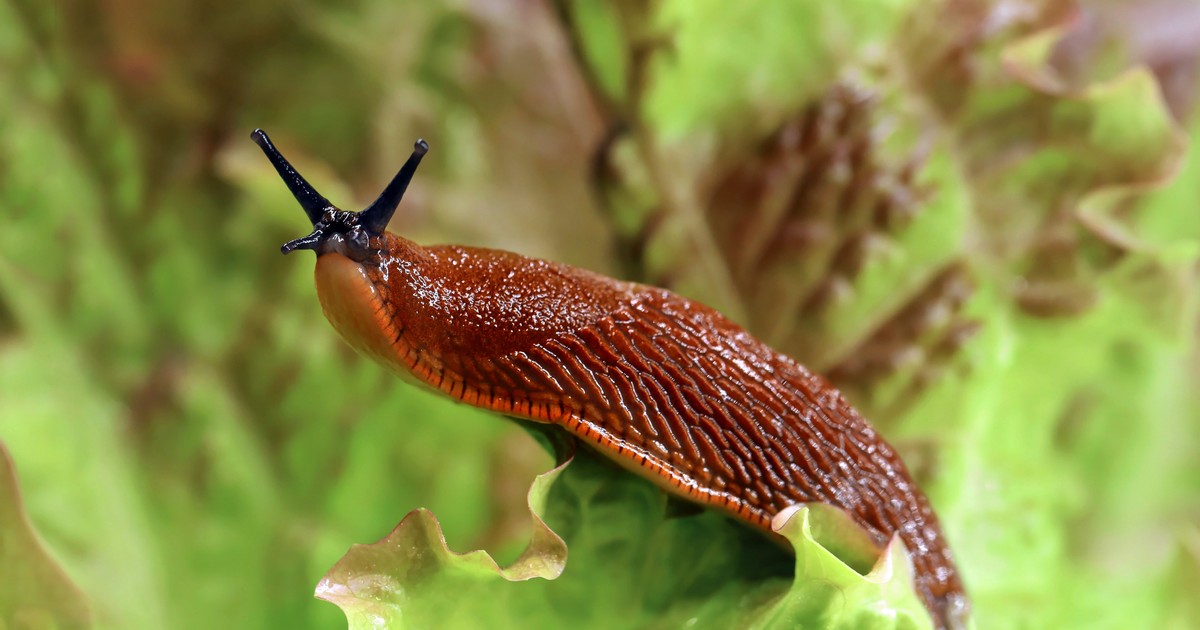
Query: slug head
pixel 334 230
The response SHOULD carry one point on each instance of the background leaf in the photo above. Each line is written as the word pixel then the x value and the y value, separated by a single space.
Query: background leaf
pixel 37 593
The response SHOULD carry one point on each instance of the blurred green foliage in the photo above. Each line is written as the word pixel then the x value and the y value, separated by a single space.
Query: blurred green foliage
pixel 1003 276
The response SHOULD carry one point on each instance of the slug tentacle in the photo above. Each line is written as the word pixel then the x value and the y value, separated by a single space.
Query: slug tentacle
pixel 669 388
pixel 312 241
pixel 313 202
pixel 377 215
pixel 336 230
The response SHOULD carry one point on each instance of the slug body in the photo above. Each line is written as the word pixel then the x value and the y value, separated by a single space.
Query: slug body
pixel 667 387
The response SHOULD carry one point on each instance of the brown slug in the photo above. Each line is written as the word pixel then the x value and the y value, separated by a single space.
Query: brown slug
pixel 668 388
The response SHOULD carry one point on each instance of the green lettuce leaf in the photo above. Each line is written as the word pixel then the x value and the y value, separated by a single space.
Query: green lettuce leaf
pixel 694 571
pixel 37 593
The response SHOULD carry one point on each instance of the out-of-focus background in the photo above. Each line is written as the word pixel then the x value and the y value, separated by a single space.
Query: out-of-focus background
pixel 979 218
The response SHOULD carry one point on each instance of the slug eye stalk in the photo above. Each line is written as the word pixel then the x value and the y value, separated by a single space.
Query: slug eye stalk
pixel 335 229
pixel 377 215
pixel 313 202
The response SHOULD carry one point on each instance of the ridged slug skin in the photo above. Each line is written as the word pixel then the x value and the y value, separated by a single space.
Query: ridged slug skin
pixel 665 386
